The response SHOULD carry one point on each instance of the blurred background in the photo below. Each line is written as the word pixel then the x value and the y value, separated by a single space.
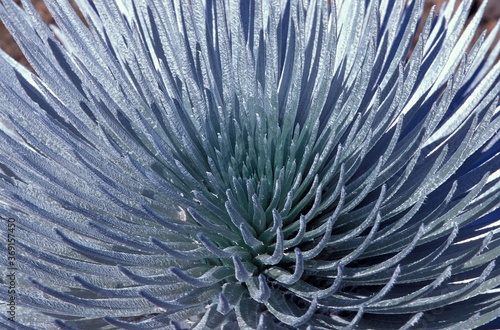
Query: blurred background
pixel 489 20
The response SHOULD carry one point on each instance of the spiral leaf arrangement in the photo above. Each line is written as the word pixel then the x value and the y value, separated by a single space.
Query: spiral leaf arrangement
pixel 229 164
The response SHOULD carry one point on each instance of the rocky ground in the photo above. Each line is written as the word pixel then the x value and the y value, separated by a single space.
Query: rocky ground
pixel 7 42
pixel 490 18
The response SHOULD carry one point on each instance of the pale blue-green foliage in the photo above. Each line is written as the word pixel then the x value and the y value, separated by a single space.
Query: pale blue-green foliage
pixel 252 164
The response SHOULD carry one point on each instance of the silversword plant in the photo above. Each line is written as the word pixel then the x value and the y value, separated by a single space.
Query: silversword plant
pixel 231 164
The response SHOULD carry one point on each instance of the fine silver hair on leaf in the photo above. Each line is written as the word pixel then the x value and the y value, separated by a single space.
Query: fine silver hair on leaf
pixel 233 164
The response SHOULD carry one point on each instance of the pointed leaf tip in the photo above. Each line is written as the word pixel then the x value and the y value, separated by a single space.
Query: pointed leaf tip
pixel 240 272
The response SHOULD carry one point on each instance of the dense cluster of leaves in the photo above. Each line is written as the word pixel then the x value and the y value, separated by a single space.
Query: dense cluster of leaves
pixel 252 164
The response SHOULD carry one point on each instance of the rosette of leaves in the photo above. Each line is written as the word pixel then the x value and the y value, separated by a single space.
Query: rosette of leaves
pixel 236 164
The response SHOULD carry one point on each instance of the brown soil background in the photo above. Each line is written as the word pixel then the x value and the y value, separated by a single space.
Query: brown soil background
pixel 488 22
